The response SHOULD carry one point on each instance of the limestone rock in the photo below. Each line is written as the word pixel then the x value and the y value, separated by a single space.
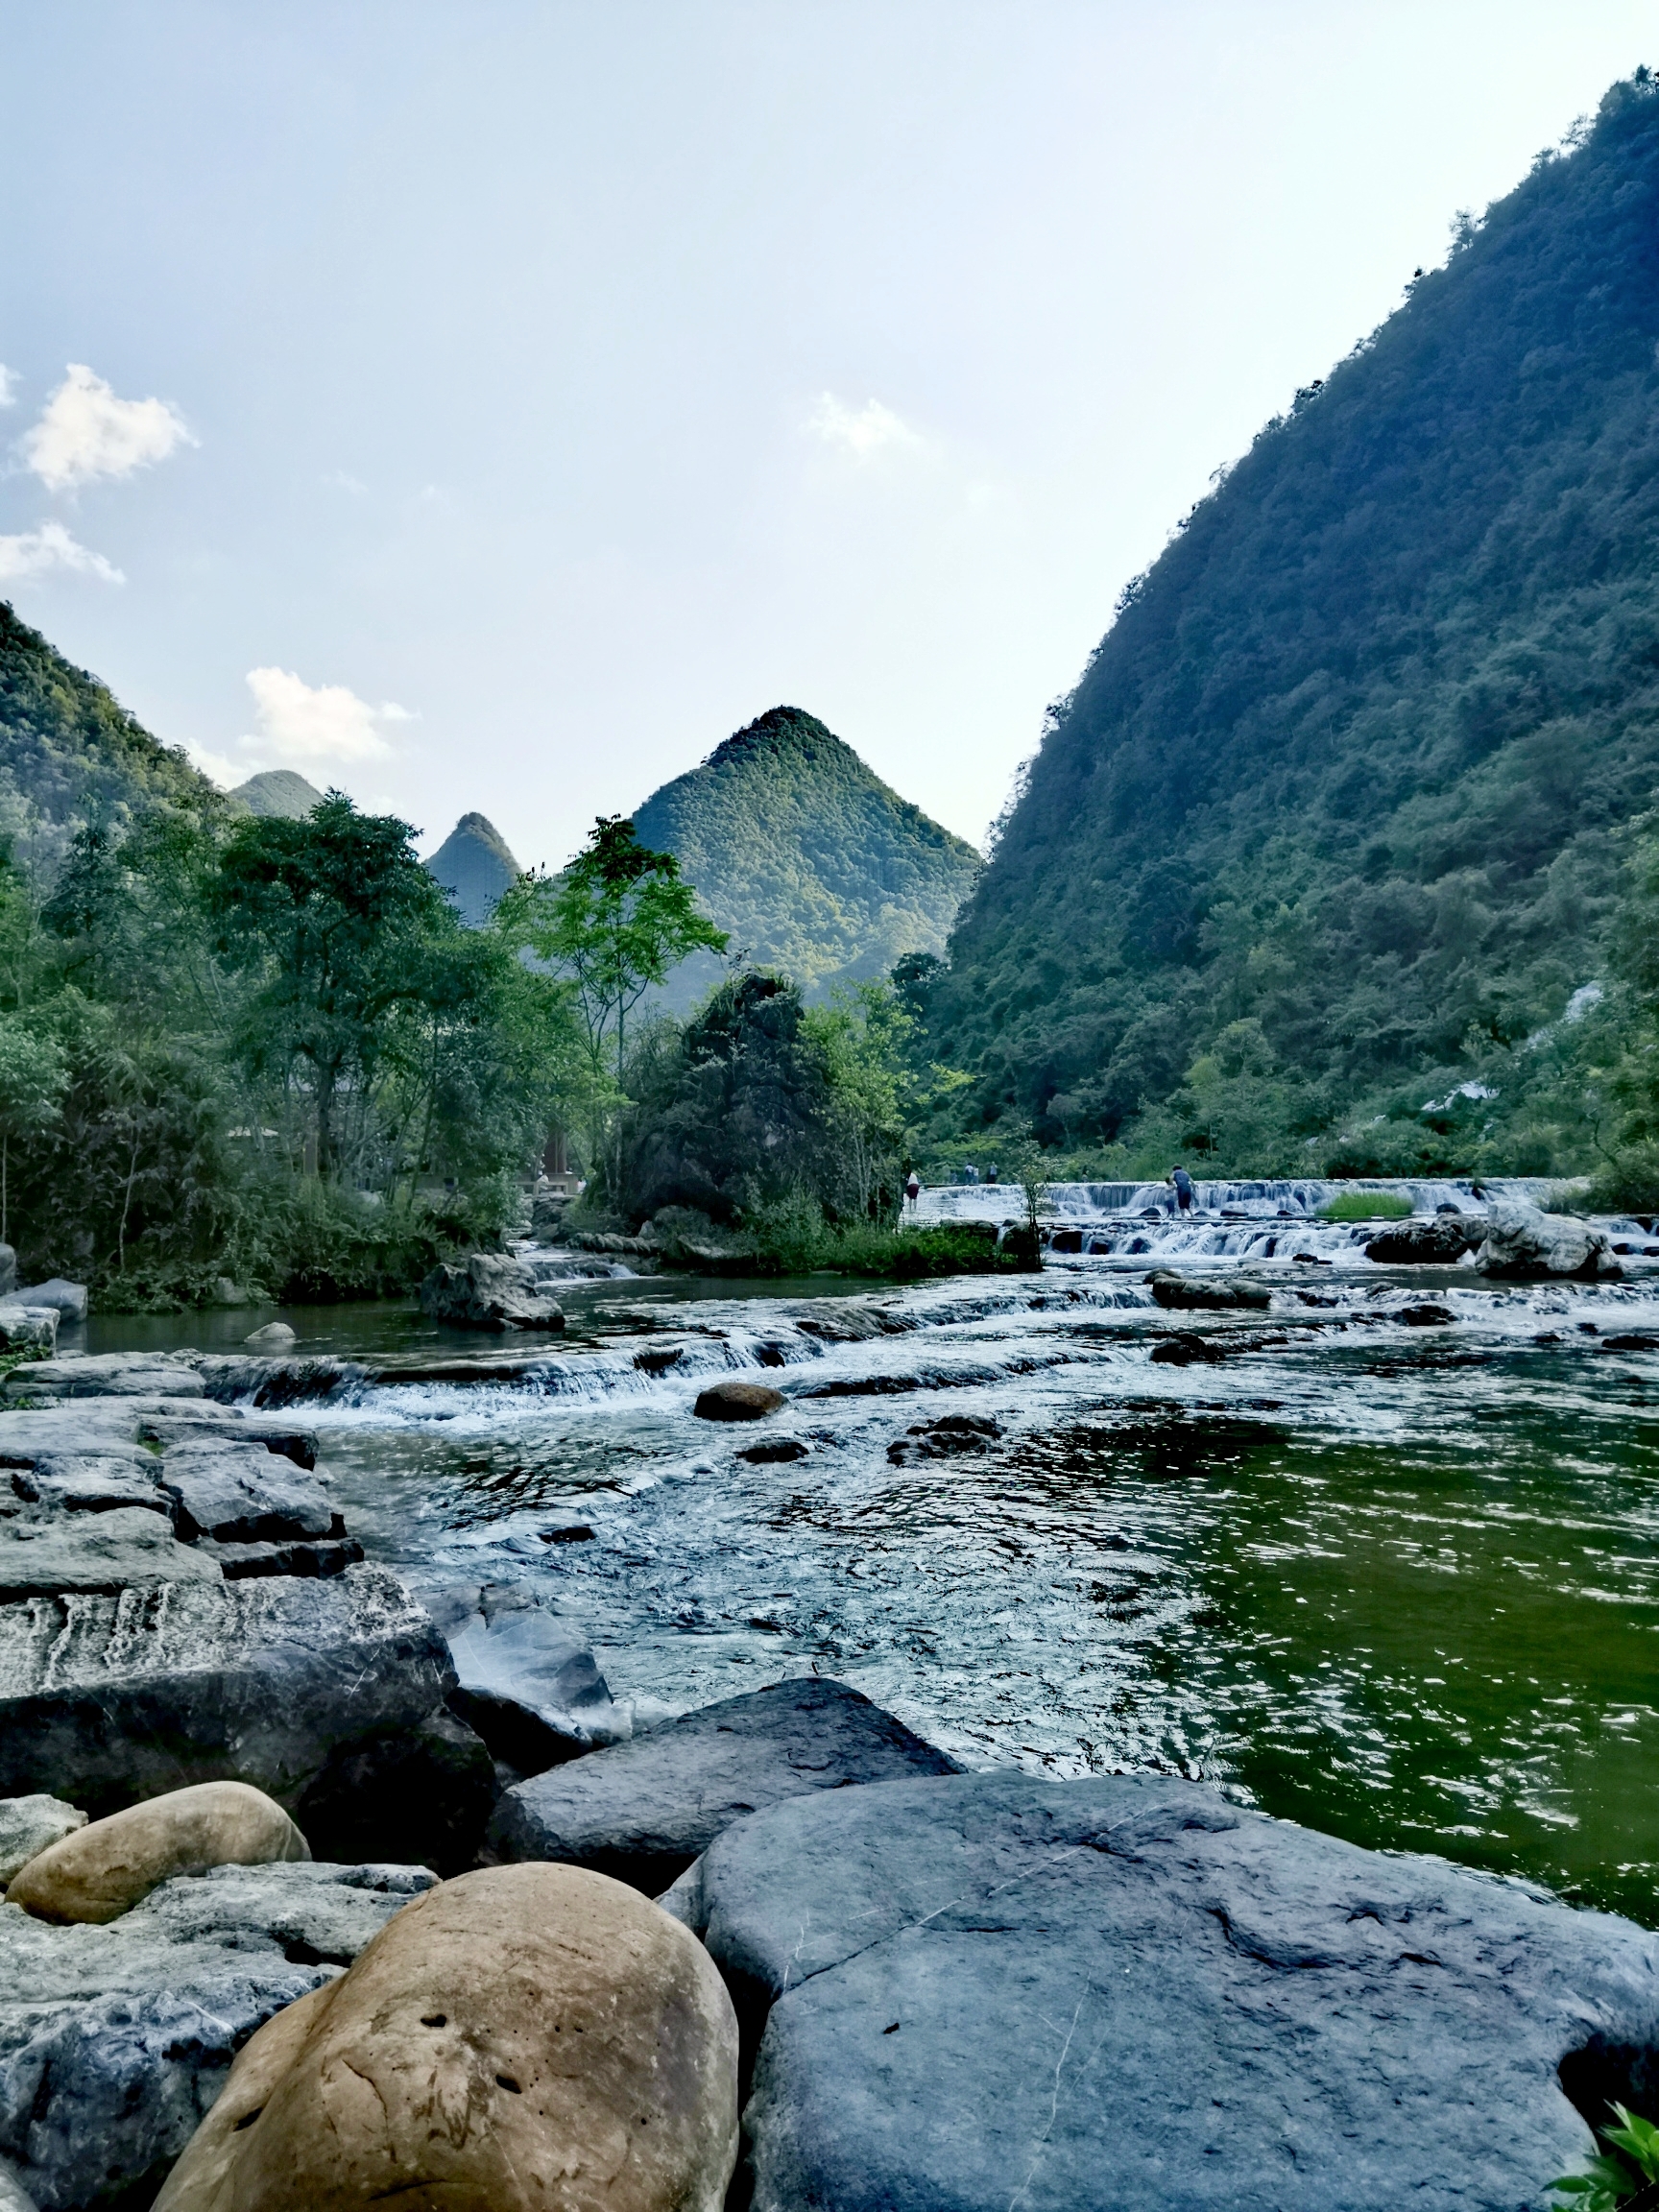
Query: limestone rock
pixel 1215 1293
pixel 91 1482
pixel 421 1795
pixel 272 1338
pixel 1432 1240
pixel 105 1375
pixel 98 1873
pixel 1525 1245
pixel 106 1698
pixel 1071 1996
pixel 736 1401
pixel 115 2040
pixel 95 1551
pixel 298 1555
pixel 507 1640
pixel 68 1300
pixel 489 1291
pixel 28 1825
pixel 28 1327
pixel 642 1810
pixel 523 2038
pixel 241 1494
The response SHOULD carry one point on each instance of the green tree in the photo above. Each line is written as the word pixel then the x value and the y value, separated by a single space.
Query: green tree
pixel 33 1074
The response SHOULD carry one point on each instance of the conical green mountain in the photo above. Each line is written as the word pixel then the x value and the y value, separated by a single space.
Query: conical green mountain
pixel 69 752
pixel 475 866
pixel 1350 761
pixel 806 857
pixel 278 791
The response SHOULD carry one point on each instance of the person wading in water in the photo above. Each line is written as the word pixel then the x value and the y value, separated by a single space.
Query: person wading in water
pixel 1183 1192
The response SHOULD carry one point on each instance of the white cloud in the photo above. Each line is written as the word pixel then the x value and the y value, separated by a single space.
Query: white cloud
pixel 226 773
pixel 38 552
pixel 300 721
pixel 86 432
pixel 7 386
pixel 859 431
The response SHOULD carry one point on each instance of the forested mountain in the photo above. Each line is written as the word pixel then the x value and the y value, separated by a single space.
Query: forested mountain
pixel 278 791
pixel 475 866
pixel 68 752
pixel 1340 792
pixel 807 859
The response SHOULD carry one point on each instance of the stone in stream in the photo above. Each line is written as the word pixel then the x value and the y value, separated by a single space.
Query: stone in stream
pixel 522 2038
pixel 296 1556
pixel 116 2040
pixel 1072 1996
pixel 1205 1292
pixel 736 1401
pixel 99 1872
pixel 242 1494
pixel 29 1824
pixel 113 1695
pixel 67 1300
pixel 1525 1245
pixel 91 1482
pixel 643 1810
pixel 506 1640
pixel 105 1375
pixel 1183 1346
pixel 489 1291
pixel 29 1329
pixel 1440 1239
pixel 274 1337
pixel 105 1552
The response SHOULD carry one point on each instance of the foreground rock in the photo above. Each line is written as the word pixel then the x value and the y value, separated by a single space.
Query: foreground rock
pixel 104 1553
pixel 643 1810
pixel 115 2041
pixel 489 1291
pixel 27 1328
pixel 531 1675
pixel 1210 1293
pixel 67 1300
pixel 98 1873
pixel 1075 1996
pixel 1432 1240
pixel 104 1375
pixel 1526 1246
pixel 29 1824
pixel 107 1697
pixel 736 1401
pixel 522 2038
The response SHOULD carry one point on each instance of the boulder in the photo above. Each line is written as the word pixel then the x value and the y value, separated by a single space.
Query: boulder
pixel 242 1494
pixel 91 1482
pixel 1432 1240
pixel 272 1338
pixel 514 1734
pixel 1072 1996
pixel 308 1555
pixel 29 1329
pixel 523 2038
pixel 1525 1245
pixel 109 1552
pixel 104 1698
pixel 104 1375
pixel 1215 1293
pixel 67 1300
pixel 423 1794
pixel 643 1810
pixel 28 1825
pixel 509 1641
pixel 98 1873
pixel 1183 1348
pixel 736 1401
pixel 489 1291
pixel 116 2040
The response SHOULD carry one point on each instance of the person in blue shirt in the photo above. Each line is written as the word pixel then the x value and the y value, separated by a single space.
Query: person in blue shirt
pixel 1184 1191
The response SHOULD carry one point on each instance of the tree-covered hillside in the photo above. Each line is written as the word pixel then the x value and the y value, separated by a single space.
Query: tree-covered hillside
pixel 1340 793
pixel 804 857
pixel 70 753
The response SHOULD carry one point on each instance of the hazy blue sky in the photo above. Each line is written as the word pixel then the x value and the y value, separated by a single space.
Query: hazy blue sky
pixel 543 390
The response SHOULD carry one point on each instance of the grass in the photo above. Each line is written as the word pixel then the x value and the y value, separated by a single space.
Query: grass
pixel 794 1238
pixel 1366 1206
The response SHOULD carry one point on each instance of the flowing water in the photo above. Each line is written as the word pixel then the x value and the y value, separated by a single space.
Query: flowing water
pixel 1394 1577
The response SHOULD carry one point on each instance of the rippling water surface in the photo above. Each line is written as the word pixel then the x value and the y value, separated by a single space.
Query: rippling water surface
pixel 1397 1580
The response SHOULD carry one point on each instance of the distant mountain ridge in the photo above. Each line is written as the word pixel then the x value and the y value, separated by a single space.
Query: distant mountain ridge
pixel 281 791
pixel 806 857
pixel 474 864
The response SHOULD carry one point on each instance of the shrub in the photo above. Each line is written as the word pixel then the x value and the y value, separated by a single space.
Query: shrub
pixel 1366 1206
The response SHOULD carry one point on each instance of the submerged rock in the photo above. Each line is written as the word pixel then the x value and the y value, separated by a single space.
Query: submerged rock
pixel 644 1810
pixel 489 1291
pixel 98 1873
pixel 1525 1245
pixel 1205 1292
pixel 523 2038
pixel 115 2041
pixel 274 1337
pixel 1071 1996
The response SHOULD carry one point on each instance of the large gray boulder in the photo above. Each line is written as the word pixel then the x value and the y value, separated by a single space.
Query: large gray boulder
pixel 642 1810
pixel 1528 1246
pixel 1432 1239
pixel 242 1494
pixel 489 1291
pixel 509 1644
pixel 28 1327
pixel 109 1697
pixel 1077 1996
pixel 68 1300
pixel 115 2040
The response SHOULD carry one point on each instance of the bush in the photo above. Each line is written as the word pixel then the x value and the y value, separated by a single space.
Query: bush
pixel 1629 1184
pixel 1366 1206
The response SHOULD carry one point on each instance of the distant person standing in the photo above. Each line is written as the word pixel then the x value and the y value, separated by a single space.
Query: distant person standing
pixel 1183 1192
pixel 973 1172
pixel 912 1190
pixel 990 1174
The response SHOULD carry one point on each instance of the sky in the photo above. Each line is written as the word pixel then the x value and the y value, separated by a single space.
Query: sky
pixel 495 406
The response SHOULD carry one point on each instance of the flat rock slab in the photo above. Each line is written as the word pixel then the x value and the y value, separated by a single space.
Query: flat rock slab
pixel 1198 1293
pixel 104 1375
pixel 642 1811
pixel 106 1699
pixel 242 1494
pixel 115 2040
pixel 1079 1996
pixel 96 1551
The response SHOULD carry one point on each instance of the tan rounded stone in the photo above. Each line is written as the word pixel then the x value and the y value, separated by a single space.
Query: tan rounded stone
pixel 736 1401
pixel 103 1870
pixel 530 2038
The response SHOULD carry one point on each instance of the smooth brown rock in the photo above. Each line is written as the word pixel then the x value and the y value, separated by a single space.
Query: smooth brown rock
pixel 102 1871
pixel 527 2039
pixel 736 1401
